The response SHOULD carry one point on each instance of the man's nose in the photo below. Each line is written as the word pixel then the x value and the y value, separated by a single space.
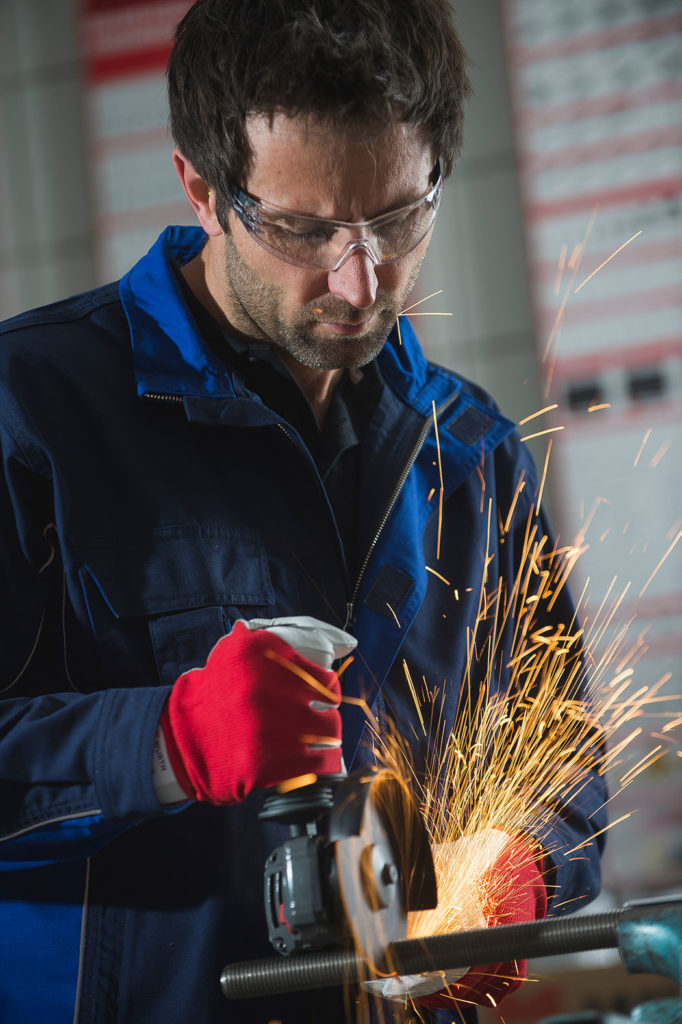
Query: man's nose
pixel 355 280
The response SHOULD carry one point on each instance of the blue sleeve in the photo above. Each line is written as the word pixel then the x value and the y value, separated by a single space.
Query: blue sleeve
pixel 75 768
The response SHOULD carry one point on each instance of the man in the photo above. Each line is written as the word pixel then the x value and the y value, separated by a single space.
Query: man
pixel 236 432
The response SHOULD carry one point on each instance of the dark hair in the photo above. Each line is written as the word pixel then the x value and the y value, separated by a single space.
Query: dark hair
pixel 366 61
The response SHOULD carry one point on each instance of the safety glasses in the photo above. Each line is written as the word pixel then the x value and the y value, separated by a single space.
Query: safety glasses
pixel 320 244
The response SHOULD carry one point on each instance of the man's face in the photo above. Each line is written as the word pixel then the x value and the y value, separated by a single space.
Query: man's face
pixel 325 320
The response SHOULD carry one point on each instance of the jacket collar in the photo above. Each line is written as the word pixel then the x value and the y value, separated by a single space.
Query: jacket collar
pixel 171 357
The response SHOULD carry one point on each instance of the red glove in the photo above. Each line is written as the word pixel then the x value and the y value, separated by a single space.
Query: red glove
pixel 248 720
pixel 513 891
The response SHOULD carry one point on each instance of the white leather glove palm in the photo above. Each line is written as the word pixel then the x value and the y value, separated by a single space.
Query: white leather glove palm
pixel 316 640
pixel 458 865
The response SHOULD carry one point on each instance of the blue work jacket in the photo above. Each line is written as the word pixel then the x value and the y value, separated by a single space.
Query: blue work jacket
pixel 147 500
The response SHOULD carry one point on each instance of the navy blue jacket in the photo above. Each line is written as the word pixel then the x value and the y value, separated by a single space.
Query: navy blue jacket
pixel 147 499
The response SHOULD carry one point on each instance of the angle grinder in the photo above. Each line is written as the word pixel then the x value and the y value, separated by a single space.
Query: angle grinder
pixel 353 886
pixel 350 882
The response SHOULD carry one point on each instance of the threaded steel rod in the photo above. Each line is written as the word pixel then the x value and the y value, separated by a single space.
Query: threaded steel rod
pixel 507 942
pixel 276 975
pixel 412 956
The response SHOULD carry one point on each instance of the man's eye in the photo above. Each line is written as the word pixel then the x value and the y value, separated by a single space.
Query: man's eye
pixel 309 232
pixel 399 224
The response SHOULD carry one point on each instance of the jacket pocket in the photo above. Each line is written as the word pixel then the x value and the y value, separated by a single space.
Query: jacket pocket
pixel 174 590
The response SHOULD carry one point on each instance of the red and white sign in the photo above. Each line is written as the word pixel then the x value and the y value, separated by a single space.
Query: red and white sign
pixel 125 45
pixel 597 101
pixel 125 37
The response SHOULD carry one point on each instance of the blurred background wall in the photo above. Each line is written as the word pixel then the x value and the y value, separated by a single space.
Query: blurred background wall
pixel 572 162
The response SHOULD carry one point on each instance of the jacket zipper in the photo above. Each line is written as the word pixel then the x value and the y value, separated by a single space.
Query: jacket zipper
pixel 321 489
pixel 159 396
pixel 351 610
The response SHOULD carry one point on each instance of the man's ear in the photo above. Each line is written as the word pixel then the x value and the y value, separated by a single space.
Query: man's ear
pixel 201 197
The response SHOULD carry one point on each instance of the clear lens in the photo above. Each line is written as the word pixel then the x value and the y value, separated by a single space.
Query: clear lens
pixel 299 241
pixel 322 244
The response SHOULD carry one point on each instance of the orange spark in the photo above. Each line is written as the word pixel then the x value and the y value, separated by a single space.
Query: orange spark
pixel 320 741
pixel 673 529
pixel 576 256
pixel 544 474
pixel 560 268
pixel 549 375
pixel 414 695
pixel 601 831
pixel 574 265
pixel 642 764
pixel 607 260
pixel 433 571
pixel 660 562
pixel 519 487
pixel 440 474
pixel 659 454
pixel 419 302
pixel 302 674
pixel 540 412
pixel 540 433
pixel 397 621
pixel 482 479
pixel 344 665
pixel 642 445
pixel 556 325
pixel 297 782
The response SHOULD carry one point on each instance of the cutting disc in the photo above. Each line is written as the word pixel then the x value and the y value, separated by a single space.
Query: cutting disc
pixel 383 861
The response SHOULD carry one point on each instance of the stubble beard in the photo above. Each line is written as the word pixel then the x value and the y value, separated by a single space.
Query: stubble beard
pixel 260 306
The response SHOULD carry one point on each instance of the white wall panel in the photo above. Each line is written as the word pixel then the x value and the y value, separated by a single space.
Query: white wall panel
pixel 46 34
pixel 45 247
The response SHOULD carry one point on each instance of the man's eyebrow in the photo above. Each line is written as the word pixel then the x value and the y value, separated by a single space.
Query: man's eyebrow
pixel 392 208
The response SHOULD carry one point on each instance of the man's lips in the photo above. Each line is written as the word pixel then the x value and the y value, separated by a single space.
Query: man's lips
pixel 345 327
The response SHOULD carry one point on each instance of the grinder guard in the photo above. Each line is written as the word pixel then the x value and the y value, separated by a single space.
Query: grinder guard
pixel 383 860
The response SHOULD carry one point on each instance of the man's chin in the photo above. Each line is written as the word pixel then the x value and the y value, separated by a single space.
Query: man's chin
pixel 336 352
pixel 327 349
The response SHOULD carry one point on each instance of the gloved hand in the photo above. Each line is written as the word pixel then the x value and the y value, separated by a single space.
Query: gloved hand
pixel 258 712
pixel 512 890
pixel 507 888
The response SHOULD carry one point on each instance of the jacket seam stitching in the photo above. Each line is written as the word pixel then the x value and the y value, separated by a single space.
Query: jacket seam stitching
pixel 81 953
pixel 98 755
pixel 46 318
pixel 31 826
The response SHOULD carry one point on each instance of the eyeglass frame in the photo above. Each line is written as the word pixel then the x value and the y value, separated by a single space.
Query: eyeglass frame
pixel 242 203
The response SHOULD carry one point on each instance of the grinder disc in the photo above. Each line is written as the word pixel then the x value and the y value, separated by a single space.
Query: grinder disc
pixel 383 861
